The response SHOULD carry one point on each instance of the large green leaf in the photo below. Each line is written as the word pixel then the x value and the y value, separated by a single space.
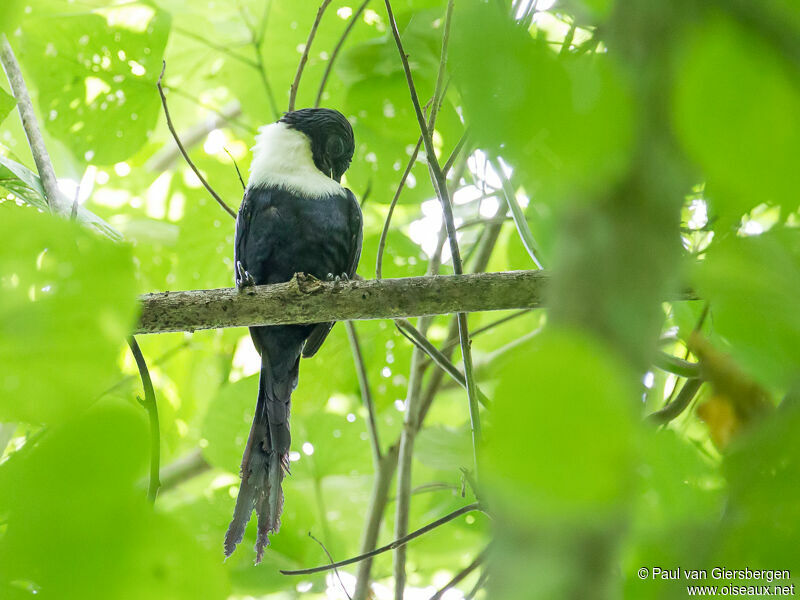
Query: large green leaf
pixel 95 74
pixel 753 285
pixel 737 112
pixel 565 124
pixel 76 495
pixel 561 446
pixel 67 304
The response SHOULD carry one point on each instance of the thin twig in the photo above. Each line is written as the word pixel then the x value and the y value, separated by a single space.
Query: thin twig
pixel 441 191
pixel 226 50
pixel 257 40
pixel 337 49
pixel 439 359
pixel 330 558
pixel 304 58
pixel 35 140
pixel 478 585
pixel 174 133
pixel 235 166
pixel 453 341
pixel 385 231
pixel 149 404
pixel 459 577
pixel 366 394
pixel 395 544
pixel 377 504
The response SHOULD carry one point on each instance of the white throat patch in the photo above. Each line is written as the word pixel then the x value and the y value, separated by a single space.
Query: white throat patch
pixel 282 158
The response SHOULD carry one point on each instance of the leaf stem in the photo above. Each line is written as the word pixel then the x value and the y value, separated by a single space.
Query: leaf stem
pixel 150 405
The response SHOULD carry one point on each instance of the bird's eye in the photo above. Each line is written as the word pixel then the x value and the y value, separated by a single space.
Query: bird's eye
pixel 334 146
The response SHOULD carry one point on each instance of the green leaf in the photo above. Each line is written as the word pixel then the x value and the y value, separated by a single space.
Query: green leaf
pixel 76 492
pixel 565 124
pixel 753 284
pixel 66 306
pixel 561 446
pixel 95 73
pixel 22 182
pixel 736 113
pixel 7 103
pixel 444 448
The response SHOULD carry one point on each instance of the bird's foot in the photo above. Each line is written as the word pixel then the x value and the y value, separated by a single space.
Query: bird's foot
pixel 337 279
pixel 243 278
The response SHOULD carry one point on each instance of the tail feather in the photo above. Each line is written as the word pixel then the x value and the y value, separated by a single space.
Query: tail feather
pixel 266 458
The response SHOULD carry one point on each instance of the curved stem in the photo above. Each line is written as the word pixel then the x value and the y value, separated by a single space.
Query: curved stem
pixel 185 155
pixel 150 405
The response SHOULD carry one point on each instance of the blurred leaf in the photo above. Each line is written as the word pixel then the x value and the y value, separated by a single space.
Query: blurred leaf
pixel 22 182
pixel 67 305
pixel 75 494
pixel 560 445
pixel 737 113
pixel 10 12
pixel 565 124
pixel 7 101
pixel 227 423
pixel 444 449
pixel 762 522
pixel 95 73
pixel 753 284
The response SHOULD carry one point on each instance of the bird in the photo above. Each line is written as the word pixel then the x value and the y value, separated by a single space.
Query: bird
pixel 295 217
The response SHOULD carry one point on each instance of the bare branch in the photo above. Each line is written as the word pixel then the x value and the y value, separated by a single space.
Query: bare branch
pixel 461 575
pixel 366 394
pixel 395 544
pixel 163 159
pixel 304 58
pixel 174 133
pixel 337 49
pixel 444 363
pixel 305 299
pixel 330 558
pixel 442 192
pixel 385 231
pixel 35 140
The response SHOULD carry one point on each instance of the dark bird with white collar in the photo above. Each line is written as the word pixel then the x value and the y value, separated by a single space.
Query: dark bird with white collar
pixel 295 218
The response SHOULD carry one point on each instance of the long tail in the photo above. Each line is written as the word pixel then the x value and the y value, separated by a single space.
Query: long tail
pixel 265 460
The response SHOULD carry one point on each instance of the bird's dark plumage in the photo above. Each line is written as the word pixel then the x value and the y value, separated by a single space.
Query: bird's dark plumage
pixel 295 218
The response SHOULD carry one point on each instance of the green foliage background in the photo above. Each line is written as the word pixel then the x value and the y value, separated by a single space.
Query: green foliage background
pixel 654 146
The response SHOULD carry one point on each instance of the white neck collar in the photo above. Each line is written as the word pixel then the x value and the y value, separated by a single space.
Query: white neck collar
pixel 282 158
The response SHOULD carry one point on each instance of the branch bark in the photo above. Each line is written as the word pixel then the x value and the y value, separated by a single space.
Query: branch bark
pixel 305 299
pixel 35 140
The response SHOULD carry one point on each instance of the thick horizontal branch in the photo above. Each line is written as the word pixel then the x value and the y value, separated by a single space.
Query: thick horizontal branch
pixel 305 299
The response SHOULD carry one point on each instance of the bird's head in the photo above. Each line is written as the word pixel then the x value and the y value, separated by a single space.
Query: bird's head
pixel 331 137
